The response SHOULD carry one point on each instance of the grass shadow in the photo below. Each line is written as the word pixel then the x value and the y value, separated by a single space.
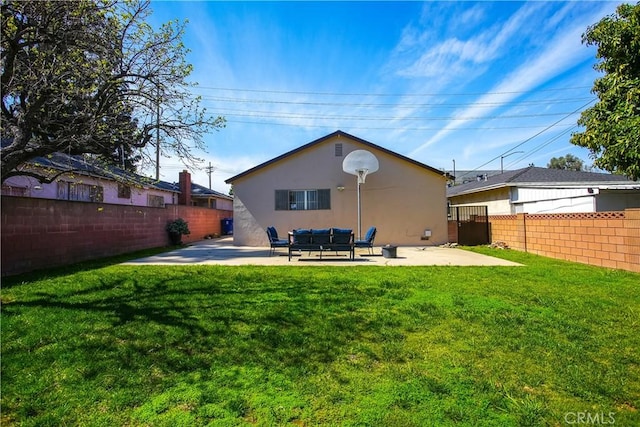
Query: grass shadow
pixel 51 273
pixel 283 323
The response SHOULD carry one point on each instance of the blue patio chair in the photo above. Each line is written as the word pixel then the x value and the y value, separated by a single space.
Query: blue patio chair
pixel 367 242
pixel 274 241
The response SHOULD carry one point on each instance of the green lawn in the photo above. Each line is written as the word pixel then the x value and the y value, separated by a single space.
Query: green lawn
pixel 367 346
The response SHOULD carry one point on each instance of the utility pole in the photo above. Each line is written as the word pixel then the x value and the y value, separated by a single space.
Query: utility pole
pixel 454 172
pixel 507 155
pixel 158 137
pixel 209 170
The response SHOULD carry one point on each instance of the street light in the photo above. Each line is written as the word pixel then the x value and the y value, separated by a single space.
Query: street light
pixel 507 155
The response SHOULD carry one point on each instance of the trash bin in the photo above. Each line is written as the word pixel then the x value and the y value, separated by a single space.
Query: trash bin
pixel 226 226
pixel 389 251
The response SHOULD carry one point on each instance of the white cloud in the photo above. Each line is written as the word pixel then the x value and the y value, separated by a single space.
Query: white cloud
pixel 223 168
pixel 473 15
pixel 563 52
pixel 460 57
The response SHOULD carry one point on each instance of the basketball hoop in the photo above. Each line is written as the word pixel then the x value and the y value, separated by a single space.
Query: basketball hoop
pixel 360 163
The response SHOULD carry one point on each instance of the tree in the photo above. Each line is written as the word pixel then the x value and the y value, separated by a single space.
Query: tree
pixel 93 77
pixel 612 125
pixel 568 162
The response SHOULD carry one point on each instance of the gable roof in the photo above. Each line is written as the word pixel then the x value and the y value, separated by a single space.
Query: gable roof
pixel 200 191
pixel 78 164
pixel 337 133
pixel 464 176
pixel 535 176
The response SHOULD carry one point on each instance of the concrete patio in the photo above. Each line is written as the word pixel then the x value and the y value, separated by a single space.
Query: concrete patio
pixel 223 252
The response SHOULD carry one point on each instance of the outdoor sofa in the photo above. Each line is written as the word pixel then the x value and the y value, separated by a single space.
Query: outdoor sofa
pixel 322 240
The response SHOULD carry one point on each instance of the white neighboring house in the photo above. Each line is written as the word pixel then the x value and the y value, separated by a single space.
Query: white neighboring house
pixel 541 190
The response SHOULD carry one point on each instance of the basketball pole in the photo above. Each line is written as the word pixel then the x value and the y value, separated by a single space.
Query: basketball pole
pixel 359 211
pixel 360 163
pixel 360 175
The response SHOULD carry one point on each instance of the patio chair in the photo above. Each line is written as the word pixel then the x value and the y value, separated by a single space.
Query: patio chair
pixel 367 242
pixel 274 241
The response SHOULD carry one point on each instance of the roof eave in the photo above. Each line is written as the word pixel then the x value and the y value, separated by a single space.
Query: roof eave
pixel 481 189
pixel 600 184
pixel 108 175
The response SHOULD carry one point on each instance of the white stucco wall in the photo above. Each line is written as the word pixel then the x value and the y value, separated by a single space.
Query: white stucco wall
pixel 564 205
pixel 617 200
pixel 532 200
pixel 497 201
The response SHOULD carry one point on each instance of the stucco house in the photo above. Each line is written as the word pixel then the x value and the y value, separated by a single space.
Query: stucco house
pixel 540 190
pixel 88 181
pixel 307 188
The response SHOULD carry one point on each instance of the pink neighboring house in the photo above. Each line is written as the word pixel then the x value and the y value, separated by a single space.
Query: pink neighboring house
pixel 89 182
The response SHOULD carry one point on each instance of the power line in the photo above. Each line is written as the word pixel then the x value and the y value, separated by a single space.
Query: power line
pixel 530 138
pixel 267 115
pixel 395 105
pixel 541 146
pixel 285 92
pixel 404 128
pixel 235 115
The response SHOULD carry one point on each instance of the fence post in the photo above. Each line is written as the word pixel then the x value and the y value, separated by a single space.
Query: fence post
pixel 632 238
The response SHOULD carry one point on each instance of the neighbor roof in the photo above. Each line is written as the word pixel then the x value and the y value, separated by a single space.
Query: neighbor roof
pixel 325 138
pixel 534 176
pixel 78 164
pixel 200 191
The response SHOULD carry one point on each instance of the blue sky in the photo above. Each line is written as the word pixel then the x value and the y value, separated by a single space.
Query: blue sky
pixel 434 81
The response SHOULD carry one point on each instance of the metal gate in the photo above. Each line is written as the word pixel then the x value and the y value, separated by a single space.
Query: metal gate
pixel 472 224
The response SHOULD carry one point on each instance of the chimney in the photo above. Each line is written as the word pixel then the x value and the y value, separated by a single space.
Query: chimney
pixel 184 198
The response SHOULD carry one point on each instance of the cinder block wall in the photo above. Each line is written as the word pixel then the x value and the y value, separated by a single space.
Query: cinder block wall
pixel 41 233
pixel 607 239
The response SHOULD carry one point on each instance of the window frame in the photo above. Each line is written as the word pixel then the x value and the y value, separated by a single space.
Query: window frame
pixel 303 200
pixel 157 198
pixel 124 191
pixel 80 192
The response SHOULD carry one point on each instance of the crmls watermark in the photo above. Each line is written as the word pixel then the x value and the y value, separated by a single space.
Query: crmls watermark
pixel 598 418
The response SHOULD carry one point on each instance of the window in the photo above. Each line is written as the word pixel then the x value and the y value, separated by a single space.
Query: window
pixel 302 200
pixel 204 203
pixel 124 191
pixel 155 201
pixel 8 190
pixel 80 192
pixel 338 149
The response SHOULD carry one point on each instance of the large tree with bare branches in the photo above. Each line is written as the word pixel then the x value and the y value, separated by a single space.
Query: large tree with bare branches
pixel 93 77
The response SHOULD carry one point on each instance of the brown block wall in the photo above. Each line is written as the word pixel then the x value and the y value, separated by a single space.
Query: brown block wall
pixel 606 239
pixel 41 233
pixel 452 231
